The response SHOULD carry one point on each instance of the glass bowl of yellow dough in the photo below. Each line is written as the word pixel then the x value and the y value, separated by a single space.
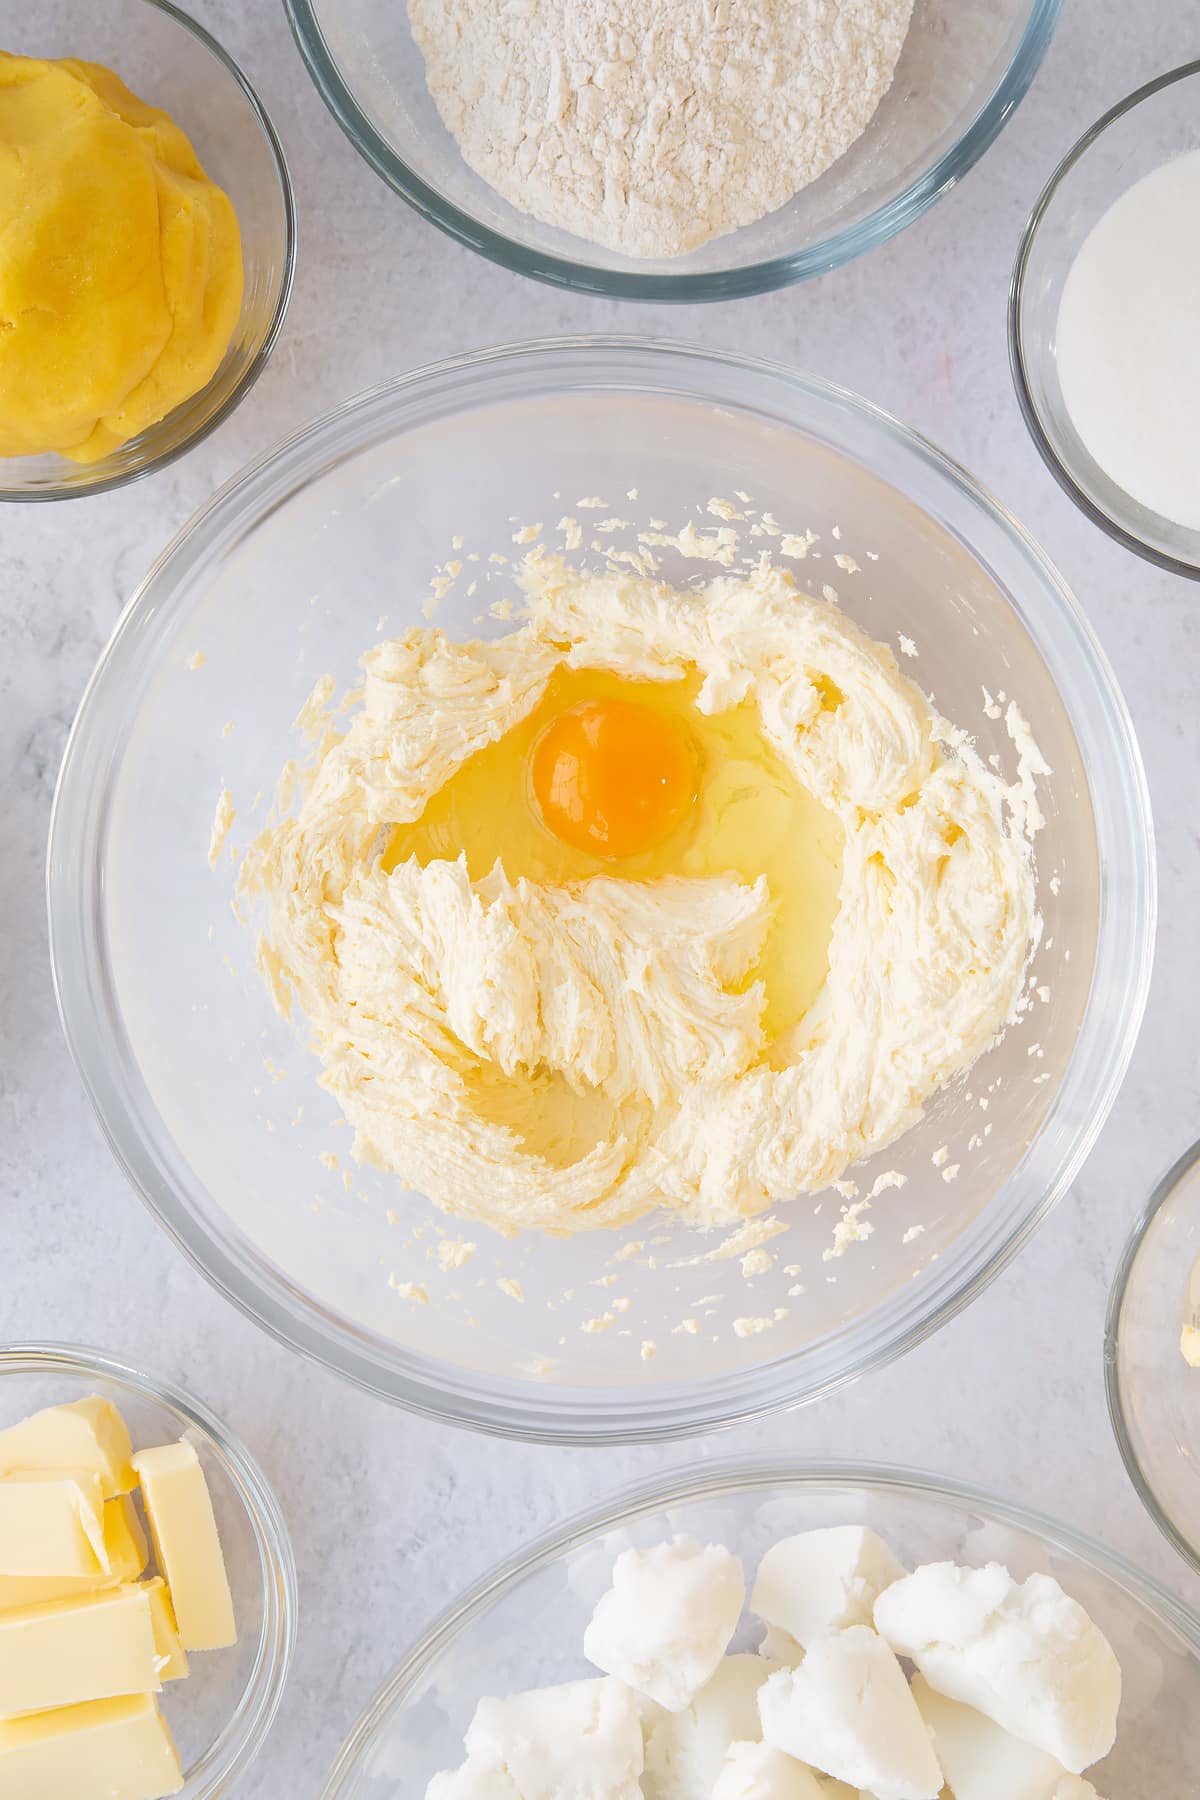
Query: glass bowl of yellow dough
pixel 409 506
pixel 69 373
pixel 1152 1355
pixel 220 1715
pixel 522 1625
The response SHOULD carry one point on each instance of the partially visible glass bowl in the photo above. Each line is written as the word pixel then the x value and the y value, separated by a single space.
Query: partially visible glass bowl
pixel 211 1101
pixel 523 1625
pixel 1136 136
pixel 219 1716
pixel 966 66
pixel 172 62
pixel 1153 1394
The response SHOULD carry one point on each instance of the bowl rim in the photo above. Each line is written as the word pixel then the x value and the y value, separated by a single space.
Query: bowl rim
pixel 254 368
pixel 304 1324
pixel 727 1476
pixel 1019 361
pixel 1118 1414
pixel 755 278
pixel 238 1744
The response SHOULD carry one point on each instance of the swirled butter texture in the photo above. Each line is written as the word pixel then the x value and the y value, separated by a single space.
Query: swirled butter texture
pixel 569 1053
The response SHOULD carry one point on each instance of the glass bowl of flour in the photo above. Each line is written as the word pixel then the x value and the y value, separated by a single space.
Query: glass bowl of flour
pixel 669 151
pixel 409 508
pixel 1104 322
pixel 522 1625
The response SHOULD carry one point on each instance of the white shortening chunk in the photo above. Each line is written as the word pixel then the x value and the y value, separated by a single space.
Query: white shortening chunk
pixel 580 1741
pixel 780 1647
pixel 822 1581
pixel 1023 1653
pixel 761 1772
pixel 473 1781
pixel 982 1761
pixel 666 1622
pixel 685 1750
pixel 847 1711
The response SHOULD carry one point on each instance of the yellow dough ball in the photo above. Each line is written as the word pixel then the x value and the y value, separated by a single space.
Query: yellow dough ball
pixel 120 262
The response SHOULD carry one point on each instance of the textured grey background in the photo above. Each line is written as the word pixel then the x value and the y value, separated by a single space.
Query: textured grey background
pixel 390 1515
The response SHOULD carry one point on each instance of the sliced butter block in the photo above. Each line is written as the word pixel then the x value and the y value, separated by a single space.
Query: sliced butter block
pixel 52 1524
pixel 106 1750
pixel 169 1652
pixel 128 1553
pixel 86 1434
pixel 93 1648
pixel 124 1539
pixel 187 1545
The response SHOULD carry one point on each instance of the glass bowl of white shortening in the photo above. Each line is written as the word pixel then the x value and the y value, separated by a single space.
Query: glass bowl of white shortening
pixel 965 67
pixel 211 1100
pixel 523 1625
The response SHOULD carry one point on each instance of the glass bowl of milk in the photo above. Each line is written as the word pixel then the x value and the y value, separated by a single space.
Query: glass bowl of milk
pixel 1104 322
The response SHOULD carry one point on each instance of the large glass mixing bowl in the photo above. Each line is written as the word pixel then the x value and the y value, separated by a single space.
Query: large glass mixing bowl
pixel 211 1101
pixel 965 67
pixel 523 1625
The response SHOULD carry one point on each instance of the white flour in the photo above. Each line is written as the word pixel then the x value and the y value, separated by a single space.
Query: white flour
pixel 651 126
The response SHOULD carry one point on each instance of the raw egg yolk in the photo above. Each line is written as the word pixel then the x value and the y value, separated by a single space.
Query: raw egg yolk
pixel 613 777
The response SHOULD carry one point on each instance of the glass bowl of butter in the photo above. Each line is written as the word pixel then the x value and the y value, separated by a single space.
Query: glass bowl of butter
pixel 145 150
pixel 409 511
pixel 523 1626
pixel 148 1591
pixel 1152 1355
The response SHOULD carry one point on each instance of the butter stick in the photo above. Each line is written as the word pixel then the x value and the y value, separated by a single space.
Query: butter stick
pixel 84 1434
pixel 106 1750
pixel 187 1545
pixel 96 1647
pixel 52 1524
pixel 127 1550
pixel 169 1652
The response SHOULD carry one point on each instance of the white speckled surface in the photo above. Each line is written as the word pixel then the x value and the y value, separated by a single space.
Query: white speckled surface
pixel 390 1515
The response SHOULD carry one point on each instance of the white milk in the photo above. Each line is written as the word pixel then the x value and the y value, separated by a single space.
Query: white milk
pixel 1129 341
